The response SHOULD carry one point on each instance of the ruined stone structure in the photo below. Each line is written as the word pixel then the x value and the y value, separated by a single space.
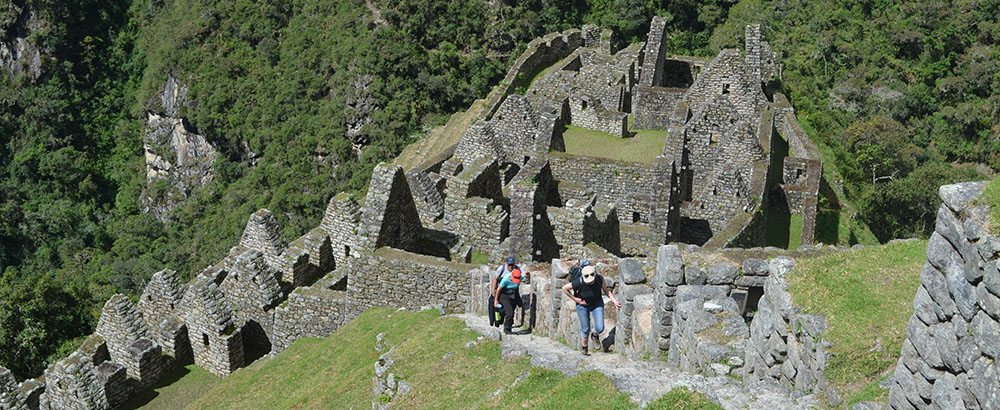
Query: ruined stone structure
pixel 506 190
pixel 948 359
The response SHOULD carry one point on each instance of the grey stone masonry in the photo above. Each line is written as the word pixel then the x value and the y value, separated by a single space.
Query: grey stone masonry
pixel 391 277
pixel 71 384
pixel 654 53
pixel 785 345
pixel 708 336
pixel 11 396
pixel 120 325
pixel 252 291
pixel 389 217
pixel 264 234
pixel 313 311
pixel 114 382
pixel 319 246
pixel 146 356
pixel 948 359
pixel 341 222
pixel 32 390
pixel 426 194
pixel 160 299
pixel 215 340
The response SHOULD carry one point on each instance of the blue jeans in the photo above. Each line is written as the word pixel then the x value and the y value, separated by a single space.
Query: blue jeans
pixel 584 311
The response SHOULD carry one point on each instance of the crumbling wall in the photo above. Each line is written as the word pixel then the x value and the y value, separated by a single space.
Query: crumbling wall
pixel 802 172
pixel 654 53
pixel 71 383
pixel 540 53
pixel 785 345
pixel 593 115
pixel 473 208
pixel 948 359
pixel 707 336
pixel 531 235
pixel 389 217
pixel 629 184
pixel 390 277
pixel 340 222
pixel 252 290
pixel 10 395
pixel 264 234
pixel 425 193
pixel 121 325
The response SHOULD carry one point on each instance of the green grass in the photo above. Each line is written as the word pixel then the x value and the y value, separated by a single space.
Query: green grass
pixel 682 399
pixel 867 297
pixel 337 372
pixel 479 258
pixel 783 230
pixel 644 147
pixel 176 390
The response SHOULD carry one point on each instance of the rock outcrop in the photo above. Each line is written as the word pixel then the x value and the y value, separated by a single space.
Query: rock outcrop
pixel 19 53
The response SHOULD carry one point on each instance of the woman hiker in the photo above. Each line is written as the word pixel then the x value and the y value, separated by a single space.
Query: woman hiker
pixel 502 270
pixel 588 293
pixel 507 297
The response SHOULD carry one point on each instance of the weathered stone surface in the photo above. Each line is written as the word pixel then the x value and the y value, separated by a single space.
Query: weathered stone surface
pixel 988 302
pixel 947 345
pixel 923 341
pixel 936 287
pixel 986 332
pixel 721 274
pixel 925 309
pixel 780 266
pixel 694 275
pixel 991 277
pixel 958 196
pixel 669 266
pixel 755 267
pixel 631 271
pixel 984 383
pixel 705 292
pixel 961 291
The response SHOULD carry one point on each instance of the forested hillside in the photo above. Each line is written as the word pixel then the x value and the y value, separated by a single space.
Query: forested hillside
pixel 301 98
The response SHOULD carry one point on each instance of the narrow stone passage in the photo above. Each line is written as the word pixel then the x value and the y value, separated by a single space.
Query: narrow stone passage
pixel 643 381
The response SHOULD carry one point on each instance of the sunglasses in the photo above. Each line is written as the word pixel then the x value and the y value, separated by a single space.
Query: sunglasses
pixel 589 275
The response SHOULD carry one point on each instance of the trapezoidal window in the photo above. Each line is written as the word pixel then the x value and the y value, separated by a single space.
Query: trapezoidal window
pixel 635 217
pixel 204 339
pixel 725 88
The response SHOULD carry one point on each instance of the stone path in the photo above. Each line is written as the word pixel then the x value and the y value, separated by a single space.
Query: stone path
pixel 643 381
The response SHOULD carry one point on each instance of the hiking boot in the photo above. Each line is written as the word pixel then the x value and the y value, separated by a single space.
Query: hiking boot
pixel 596 338
pixel 583 349
pixel 508 332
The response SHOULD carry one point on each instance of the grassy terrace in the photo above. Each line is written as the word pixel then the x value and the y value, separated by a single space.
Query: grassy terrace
pixel 337 372
pixel 644 147
pixel 867 297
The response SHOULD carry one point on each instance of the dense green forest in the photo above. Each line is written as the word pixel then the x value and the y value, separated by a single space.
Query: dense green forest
pixel 902 96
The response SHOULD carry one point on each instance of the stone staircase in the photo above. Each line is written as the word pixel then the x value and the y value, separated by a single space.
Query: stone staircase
pixel 643 381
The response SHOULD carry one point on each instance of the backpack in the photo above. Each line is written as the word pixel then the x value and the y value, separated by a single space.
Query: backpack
pixel 576 278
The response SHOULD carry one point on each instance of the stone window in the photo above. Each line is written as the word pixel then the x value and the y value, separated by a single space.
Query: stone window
pixel 204 339
pixel 636 217
pixel 725 88
pixel 583 104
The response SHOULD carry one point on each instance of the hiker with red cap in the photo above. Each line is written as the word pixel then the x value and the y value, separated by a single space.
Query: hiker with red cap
pixel 507 296
pixel 588 292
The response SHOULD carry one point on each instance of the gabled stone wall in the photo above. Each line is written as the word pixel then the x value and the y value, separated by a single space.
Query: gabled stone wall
pixel 389 217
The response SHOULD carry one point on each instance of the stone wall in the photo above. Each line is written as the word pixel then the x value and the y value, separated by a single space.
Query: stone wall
pixel 340 222
pixel 785 345
pixel 390 277
pixel 652 106
pixel 629 184
pixel 654 53
pixel 10 394
pixel 708 336
pixel 430 201
pixel 802 172
pixel 948 359
pixel 541 52
pixel 473 205
pixel 263 233
pixel 252 290
pixel 313 311
pixel 216 342
pixel 389 217
pixel 121 325
pixel 590 114
pixel 71 383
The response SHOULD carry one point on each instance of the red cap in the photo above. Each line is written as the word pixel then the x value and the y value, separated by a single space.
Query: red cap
pixel 515 276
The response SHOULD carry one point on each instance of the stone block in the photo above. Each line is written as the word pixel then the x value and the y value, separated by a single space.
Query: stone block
pixel 986 332
pixel 957 196
pixel 755 267
pixel 631 271
pixel 721 274
pixel 693 275
pixel 669 266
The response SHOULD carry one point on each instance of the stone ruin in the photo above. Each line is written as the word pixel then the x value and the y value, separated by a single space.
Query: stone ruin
pixel 507 189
